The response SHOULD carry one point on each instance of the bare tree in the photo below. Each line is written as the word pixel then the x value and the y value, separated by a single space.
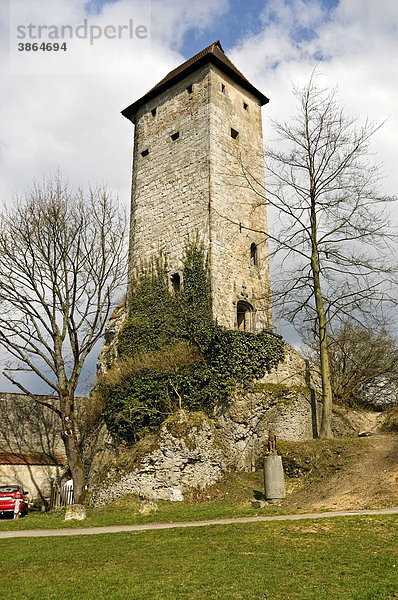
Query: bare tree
pixel 334 233
pixel 363 365
pixel 62 256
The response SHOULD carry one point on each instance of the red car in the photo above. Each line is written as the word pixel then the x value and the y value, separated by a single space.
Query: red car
pixel 13 501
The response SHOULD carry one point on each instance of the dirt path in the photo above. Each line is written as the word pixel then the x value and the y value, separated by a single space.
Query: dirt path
pixel 156 526
pixel 370 481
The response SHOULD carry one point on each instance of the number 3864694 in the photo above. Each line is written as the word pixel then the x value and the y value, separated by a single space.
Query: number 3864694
pixel 44 46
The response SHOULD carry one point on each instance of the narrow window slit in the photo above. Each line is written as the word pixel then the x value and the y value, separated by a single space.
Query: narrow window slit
pixel 145 152
pixel 175 136
pixel 176 282
pixel 234 133
pixel 253 254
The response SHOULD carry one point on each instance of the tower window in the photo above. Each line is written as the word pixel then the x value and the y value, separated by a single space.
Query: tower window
pixel 175 136
pixel 153 111
pixel 234 133
pixel 189 89
pixel 145 152
pixel 245 106
pixel 176 282
pixel 223 88
pixel 253 255
pixel 244 314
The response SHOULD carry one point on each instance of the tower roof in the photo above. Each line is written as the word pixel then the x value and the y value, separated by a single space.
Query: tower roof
pixel 214 54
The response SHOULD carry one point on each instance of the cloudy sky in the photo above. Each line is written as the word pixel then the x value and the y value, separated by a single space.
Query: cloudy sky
pixel 61 109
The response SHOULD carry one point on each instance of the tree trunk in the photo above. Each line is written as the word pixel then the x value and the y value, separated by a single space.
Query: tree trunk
pixel 72 450
pixel 327 397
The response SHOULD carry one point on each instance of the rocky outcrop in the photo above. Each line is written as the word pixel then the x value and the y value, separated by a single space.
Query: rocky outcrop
pixel 109 351
pixel 186 453
pixel 243 424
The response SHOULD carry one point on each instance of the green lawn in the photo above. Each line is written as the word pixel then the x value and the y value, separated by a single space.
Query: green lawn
pixel 230 498
pixel 351 558
pixel 126 513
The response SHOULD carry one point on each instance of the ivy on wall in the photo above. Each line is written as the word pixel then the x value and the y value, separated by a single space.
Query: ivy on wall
pixel 209 364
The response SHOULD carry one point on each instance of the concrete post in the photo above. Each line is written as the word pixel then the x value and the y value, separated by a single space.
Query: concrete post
pixel 274 483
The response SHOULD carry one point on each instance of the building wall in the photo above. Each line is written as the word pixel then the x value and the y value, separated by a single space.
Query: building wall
pixel 170 184
pixel 238 215
pixel 193 186
pixel 26 427
pixel 35 479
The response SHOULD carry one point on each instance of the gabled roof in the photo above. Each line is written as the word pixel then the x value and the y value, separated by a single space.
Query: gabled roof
pixel 31 458
pixel 214 54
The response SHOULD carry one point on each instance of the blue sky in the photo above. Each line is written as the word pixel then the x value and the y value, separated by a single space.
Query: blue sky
pixel 240 20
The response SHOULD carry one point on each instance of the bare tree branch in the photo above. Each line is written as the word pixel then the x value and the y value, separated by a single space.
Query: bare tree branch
pixel 62 258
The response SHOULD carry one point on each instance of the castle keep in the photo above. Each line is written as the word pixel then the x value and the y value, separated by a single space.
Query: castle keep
pixel 193 133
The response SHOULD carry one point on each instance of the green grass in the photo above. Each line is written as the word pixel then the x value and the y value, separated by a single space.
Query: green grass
pixel 229 498
pixel 352 558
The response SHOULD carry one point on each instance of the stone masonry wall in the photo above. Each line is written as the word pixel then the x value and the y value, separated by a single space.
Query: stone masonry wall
pixel 170 183
pixel 193 186
pixel 238 215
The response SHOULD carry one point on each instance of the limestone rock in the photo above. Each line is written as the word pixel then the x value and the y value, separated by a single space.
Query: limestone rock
pixel 259 504
pixel 243 424
pixel 186 453
pixel 146 508
pixel 75 512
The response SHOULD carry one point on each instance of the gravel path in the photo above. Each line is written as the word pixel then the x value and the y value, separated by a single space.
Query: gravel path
pixel 155 526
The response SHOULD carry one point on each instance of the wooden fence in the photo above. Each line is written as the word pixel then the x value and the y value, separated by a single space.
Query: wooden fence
pixel 60 496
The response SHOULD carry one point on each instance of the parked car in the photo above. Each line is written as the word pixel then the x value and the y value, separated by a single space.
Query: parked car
pixel 13 501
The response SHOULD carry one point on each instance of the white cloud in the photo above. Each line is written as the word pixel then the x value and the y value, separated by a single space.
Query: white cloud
pixel 359 44
pixel 72 119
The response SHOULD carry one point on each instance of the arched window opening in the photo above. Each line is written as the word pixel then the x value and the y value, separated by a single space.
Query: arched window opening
pixel 244 316
pixel 176 282
pixel 253 254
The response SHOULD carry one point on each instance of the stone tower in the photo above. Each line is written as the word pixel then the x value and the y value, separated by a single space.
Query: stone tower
pixel 193 133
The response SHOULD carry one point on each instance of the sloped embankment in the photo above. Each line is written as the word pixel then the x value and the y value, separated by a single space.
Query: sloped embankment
pixel 368 480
